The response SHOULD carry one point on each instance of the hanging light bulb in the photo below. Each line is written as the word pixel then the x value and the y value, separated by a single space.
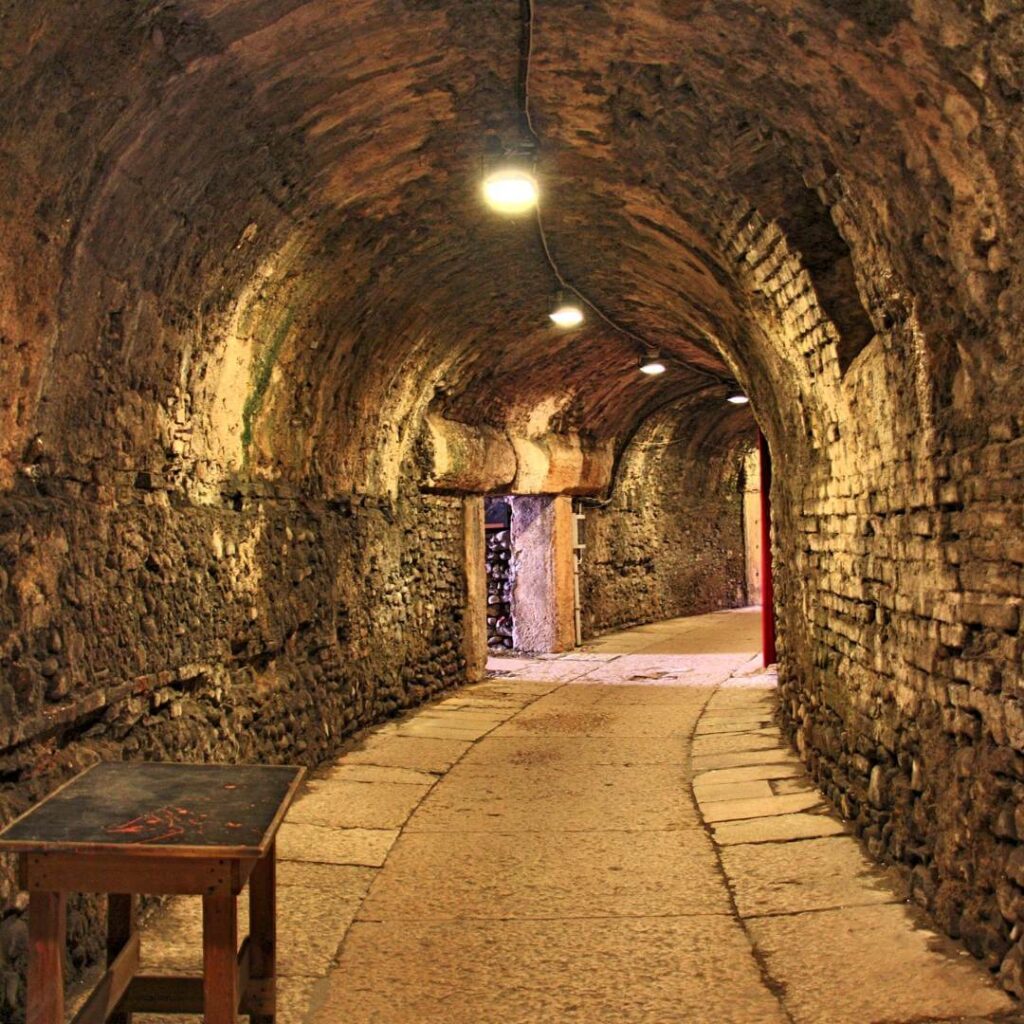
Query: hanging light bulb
pixel 510 190
pixel 651 364
pixel 510 186
pixel 738 399
pixel 566 311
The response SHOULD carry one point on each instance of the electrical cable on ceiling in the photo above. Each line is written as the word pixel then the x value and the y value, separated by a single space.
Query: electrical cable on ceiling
pixel 523 90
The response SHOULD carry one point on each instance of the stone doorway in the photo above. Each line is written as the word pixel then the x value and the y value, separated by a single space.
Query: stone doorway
pixel 530 559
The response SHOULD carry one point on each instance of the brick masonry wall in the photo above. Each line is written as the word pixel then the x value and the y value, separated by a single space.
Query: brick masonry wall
pixel 899 569
pixel 901 672
pixel 670 541
pixel 141 628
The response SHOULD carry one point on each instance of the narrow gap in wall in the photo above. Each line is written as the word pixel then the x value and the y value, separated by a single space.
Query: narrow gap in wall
pixel 498 555
pixel 751 481
pixel 579 547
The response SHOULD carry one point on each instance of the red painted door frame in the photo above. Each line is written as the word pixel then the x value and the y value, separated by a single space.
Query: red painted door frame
pixel 767 591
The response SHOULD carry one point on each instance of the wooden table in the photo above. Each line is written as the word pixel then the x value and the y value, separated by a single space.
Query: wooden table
pixel 130 828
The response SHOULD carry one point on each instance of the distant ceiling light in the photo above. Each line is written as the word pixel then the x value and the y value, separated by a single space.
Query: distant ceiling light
pixel 567 311
pixel 738 399
pixel 651 364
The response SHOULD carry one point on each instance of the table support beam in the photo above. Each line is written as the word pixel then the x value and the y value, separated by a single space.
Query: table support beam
pixel 120 929
pixel 263 933
pixel 47 925
pixel 220 959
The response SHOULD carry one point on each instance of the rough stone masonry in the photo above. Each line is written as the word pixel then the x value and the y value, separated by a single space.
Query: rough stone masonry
pixel 259 338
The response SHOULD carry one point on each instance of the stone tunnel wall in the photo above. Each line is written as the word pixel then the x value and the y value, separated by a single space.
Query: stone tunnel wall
pixel 141 627
pixel 899 573
pixel 670 541
pixel 899 578
pixel 257 260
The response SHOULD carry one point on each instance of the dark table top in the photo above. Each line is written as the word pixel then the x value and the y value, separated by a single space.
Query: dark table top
pixel 156 807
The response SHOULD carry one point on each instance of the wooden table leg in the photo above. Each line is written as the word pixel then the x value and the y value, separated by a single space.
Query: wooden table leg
pixel 120 928
pixel 263 935
pixel 46 931
pixel 220 959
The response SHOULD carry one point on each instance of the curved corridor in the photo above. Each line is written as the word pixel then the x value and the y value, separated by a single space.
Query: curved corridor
pixel 344 345
pixel 612 835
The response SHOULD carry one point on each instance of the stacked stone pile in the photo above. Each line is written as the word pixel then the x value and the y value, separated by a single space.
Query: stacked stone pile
pixel 499 590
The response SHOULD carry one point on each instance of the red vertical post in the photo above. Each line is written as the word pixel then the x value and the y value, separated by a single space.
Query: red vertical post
pixel 767 591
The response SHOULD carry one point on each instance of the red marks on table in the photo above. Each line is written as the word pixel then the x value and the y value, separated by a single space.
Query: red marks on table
pixel 160 826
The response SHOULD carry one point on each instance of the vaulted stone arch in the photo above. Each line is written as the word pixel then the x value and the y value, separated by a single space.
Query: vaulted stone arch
pixel 260 339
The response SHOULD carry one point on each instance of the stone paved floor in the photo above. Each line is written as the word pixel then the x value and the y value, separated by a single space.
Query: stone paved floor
pixel 612 836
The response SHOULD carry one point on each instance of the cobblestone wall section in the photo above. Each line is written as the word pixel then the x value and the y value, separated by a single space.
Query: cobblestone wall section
pixel 140 628
pixel 670 540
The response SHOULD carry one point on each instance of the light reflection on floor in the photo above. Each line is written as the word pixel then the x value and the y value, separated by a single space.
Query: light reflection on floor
pixel 693 651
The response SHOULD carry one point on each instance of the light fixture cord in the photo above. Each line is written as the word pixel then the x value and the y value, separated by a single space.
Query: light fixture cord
pixel 525 57
pixel 525 60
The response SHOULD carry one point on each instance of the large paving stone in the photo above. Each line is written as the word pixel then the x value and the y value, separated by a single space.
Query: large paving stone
pixel 779 828
pixel 484 702
pixel 438 729
pixel 572 695
pixel 751 697
pixel 714 726
pixel 509 689
pixel 607 971
pixel 797 784
pixel 463 718
pixel 578 655
pixel 743 758
pixel 344 772
pixel 687 690
pixel 319 844
pixel 865 964
pixel 593 750
pixel 491 798
pixel 604 719
pixel 759 807
pixel 546 672
pixel 659 663
pixel 721 743
pixel 546 875
pixel 812 874
pixel 747 773
pixel 716 792
pixel 356 804
pixel 416 752
pixel 335 881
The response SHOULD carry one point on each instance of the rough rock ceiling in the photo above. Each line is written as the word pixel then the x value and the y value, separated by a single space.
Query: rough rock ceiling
pixel 256 224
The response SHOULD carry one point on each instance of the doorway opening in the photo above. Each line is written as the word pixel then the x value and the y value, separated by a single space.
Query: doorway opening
pixel 752 525
pixel 531 551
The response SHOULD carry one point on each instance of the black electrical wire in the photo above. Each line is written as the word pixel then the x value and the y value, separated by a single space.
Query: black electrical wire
pixel 523 95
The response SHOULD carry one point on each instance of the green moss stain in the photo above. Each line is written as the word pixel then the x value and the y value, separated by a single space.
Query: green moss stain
pixel 262 369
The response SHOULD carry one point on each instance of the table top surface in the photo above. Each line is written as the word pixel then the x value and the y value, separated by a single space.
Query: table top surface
pixel 146 808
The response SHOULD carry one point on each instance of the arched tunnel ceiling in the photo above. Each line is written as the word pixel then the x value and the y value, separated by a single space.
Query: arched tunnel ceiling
pixel 261 218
